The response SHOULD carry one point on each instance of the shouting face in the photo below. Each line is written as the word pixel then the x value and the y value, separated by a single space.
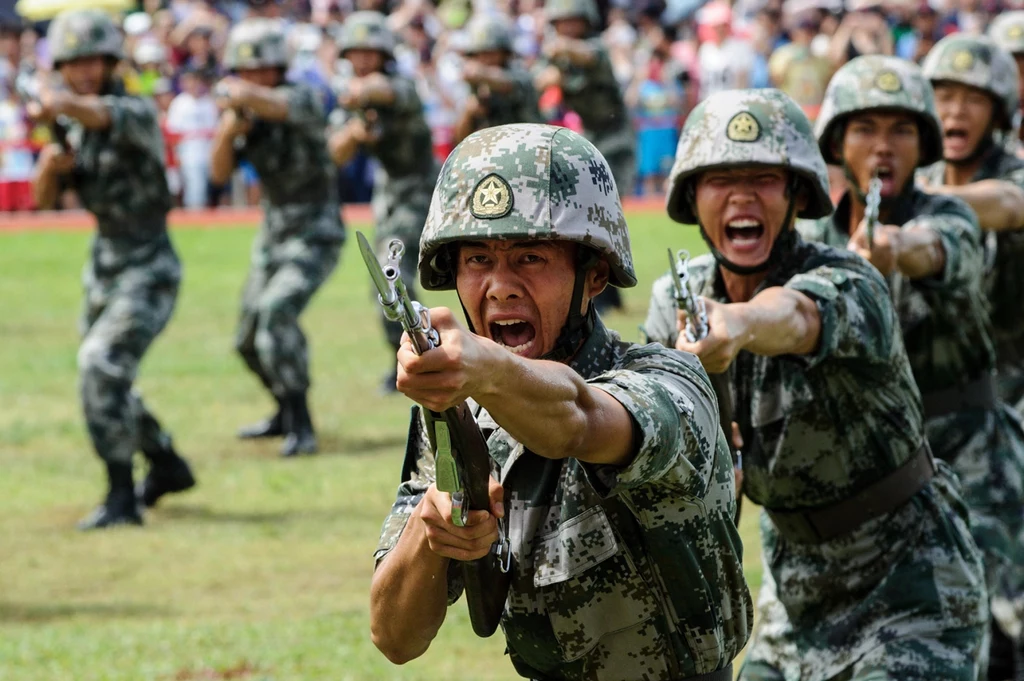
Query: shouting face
pixel 882 143
pixel 966 116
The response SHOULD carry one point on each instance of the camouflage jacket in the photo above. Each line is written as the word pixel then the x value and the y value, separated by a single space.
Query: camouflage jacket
pixel 789 409
pixel 517 106
pixel 120 177
pixel 619 573
pixel 297 176
pixel 1004 253
pixel 593 93
pixel 945 322
pixel 817 429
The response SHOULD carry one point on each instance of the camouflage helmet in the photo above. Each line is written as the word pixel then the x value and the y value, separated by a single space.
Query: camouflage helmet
pixel 77 33
pixel 980 63
pixel 1007 30
pixel 484 192
pixel 256 43
pixel 877 83
pixel 555 10
pixel 748 127
pixel 366 30
pixel 486 33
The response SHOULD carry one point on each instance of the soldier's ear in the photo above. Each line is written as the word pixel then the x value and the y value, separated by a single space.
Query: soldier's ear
pixel 597 278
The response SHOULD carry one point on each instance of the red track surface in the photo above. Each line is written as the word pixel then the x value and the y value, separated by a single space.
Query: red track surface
pixel 353 213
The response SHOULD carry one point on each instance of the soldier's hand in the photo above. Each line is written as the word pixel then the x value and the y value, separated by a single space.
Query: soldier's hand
pixel 474 108
pixel 352 96
pixel 232 123
pixel 447 375
pixel 363 129
pixel 460 543
pixel 726 337
pixel 554 47
pixel 549 77
pixel 49 105
pixel 883 252
pixel 231 92
pixel 53 159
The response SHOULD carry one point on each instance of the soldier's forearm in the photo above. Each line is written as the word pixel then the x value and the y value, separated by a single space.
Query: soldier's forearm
pixel 779 321
pixel 408 596
pixel 90 111
pixel 999 204
pixel 464 126
pixel 496 79
pixel 377 91
pixel 920 253
pixel 45 187
pixel 342 146
pixel 222 158
pixel 266 103
pixel 580 53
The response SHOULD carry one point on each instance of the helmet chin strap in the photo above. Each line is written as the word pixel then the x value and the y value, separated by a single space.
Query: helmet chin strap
pixel 578 326
pixel 783 243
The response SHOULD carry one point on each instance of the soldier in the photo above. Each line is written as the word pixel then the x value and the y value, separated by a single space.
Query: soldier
pixel 502 90
pixel 615 482
pixel 575 60
pixel 977 101
pixel 1007 31
pixel 381 112
pixel 870 569
pixel 878 119
pixel 278 127
pixel 115 161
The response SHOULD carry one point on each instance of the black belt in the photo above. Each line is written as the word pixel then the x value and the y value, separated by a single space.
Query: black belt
pixel 978 394
pixel 883 496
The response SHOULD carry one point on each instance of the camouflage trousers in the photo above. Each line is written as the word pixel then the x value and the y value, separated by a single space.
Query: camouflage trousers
pixel 282 279
pixel 122 315
pixel 400 211
pixel 986 450
pixel 901 597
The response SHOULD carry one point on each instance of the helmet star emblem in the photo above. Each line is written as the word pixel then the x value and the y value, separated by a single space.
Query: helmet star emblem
pixel 492 198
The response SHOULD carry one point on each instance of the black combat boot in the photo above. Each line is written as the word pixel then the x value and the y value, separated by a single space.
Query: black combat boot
pixel 298 426
pixel 268 427
pixel 120 507
pixel 168 473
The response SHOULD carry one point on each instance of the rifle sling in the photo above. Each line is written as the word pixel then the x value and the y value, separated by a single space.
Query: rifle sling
pixel 978 394
pixel 819 525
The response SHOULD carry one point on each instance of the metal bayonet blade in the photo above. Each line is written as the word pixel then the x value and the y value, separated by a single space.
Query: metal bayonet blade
pixel 373 265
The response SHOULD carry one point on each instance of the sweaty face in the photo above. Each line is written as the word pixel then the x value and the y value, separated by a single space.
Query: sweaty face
pixel 518 293
pixel 571 27
pixel 886 143
pixel 267 76
pixel 365 62
pixel 87 75
pixel 743 209
pixel 966 114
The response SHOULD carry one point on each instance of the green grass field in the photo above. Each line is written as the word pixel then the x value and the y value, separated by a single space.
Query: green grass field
pixel 263 571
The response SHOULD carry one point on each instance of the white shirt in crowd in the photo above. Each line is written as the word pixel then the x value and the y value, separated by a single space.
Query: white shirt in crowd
pixel 724 67
pixel 194 119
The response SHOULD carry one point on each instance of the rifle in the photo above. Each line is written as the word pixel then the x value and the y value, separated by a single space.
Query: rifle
pixel 461 459
pixel 29 89
pixel 368 115
pixel 696 329
pixel 872 201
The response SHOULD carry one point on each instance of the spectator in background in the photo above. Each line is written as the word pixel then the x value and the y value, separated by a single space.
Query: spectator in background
pixel 620 38
pixel 136 28
pixel 925 32
pixel 192 118
pixel 10 51
pixel 724 62
pixel 163 95
pixel 150 61
pixel 796 70
pixel 656 98
pixel 16 159
pixel 863 30
pixel 766 37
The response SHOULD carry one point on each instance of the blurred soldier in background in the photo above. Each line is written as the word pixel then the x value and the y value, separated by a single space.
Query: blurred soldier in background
pixel 382 113
pixel 278 128
pixel 1007 31
pixel 870 571
pixel 575 59
pixel 879 120
pixel 502 90
pixel 977 101
pixel 114 158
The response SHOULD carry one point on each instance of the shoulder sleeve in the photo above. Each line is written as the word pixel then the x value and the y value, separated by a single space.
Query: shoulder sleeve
pixel 305 106
pixel 858 320
pixel 957 228
pixel 660 326
pixel 417 476
pixel 601 71
pixel 675 417
pixel 133 123
pixel 407 100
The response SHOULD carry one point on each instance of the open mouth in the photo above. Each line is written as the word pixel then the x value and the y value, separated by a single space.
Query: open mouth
pixel 516 335
pixel 744 231
pixel 954 140
pixel 955 133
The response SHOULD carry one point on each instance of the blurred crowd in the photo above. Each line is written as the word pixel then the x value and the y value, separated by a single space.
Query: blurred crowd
pixel 667 55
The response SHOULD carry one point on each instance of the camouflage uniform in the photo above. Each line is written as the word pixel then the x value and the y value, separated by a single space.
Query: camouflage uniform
pixel 619 573
pixel 406 167
pixel 902 595
pixel 301 234
pixel 594 94
pixel 132 276
pixel 1007 31
pixel 946 328
pixel 979 63
pixel 486 33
